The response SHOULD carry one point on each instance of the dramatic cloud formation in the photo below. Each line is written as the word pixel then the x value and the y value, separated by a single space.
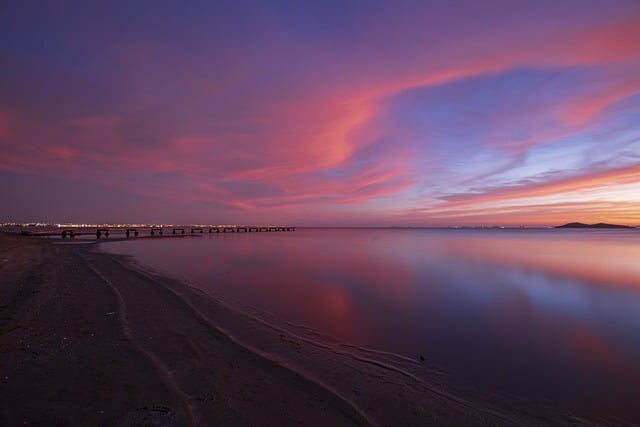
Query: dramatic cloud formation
pixel 324 113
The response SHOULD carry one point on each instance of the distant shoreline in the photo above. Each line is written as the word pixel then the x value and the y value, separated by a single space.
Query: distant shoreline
pixel 598 225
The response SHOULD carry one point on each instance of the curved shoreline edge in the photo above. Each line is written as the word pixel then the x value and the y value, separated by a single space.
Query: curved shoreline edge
pixel 90 338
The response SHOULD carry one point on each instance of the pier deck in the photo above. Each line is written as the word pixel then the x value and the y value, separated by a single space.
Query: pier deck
pixel 128 231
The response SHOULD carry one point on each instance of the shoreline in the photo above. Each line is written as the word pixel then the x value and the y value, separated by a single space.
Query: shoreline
pixel 89 337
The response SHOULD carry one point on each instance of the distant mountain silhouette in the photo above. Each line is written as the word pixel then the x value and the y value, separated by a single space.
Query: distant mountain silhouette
pixel 598 225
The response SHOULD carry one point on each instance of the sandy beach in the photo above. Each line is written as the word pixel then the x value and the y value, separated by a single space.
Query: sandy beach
pixel 86 338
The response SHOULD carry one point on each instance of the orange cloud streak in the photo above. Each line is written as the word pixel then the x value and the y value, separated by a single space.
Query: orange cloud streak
pixel 625 175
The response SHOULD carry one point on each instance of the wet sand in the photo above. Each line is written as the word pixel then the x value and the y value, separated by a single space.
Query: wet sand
pixel 86 338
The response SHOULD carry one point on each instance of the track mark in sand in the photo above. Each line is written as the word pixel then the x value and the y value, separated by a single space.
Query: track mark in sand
pixel 165 373
pixel 352 409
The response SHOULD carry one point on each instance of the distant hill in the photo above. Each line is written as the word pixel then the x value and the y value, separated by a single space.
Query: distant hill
pixel 598 225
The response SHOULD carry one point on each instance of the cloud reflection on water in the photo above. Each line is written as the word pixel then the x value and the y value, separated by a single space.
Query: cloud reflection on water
pixel 546 314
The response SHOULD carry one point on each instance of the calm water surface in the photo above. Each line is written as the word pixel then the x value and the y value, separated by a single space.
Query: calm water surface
pixel 544 314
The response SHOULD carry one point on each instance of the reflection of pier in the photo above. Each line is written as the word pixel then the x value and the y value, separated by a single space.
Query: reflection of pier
pixel 129 231
pixel 71 232
pixel 132 230
pixel 99 232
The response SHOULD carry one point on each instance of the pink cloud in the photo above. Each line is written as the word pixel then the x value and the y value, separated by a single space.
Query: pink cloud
pixel 522 205
pixel 302 137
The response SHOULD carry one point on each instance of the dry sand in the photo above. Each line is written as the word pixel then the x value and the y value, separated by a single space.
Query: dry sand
pixel 88 339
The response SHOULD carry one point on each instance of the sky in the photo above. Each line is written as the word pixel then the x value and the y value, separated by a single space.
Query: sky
pixel 401 113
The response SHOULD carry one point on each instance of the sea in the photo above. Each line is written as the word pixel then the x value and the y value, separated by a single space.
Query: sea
pixel 548 316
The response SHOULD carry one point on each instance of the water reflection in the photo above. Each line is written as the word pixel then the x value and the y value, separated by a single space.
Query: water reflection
pixel 549 314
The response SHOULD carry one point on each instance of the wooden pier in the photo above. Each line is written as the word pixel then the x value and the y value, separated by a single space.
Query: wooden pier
pixel 247 228
pixel 100 232
pixel 71 232
pixel 132 230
